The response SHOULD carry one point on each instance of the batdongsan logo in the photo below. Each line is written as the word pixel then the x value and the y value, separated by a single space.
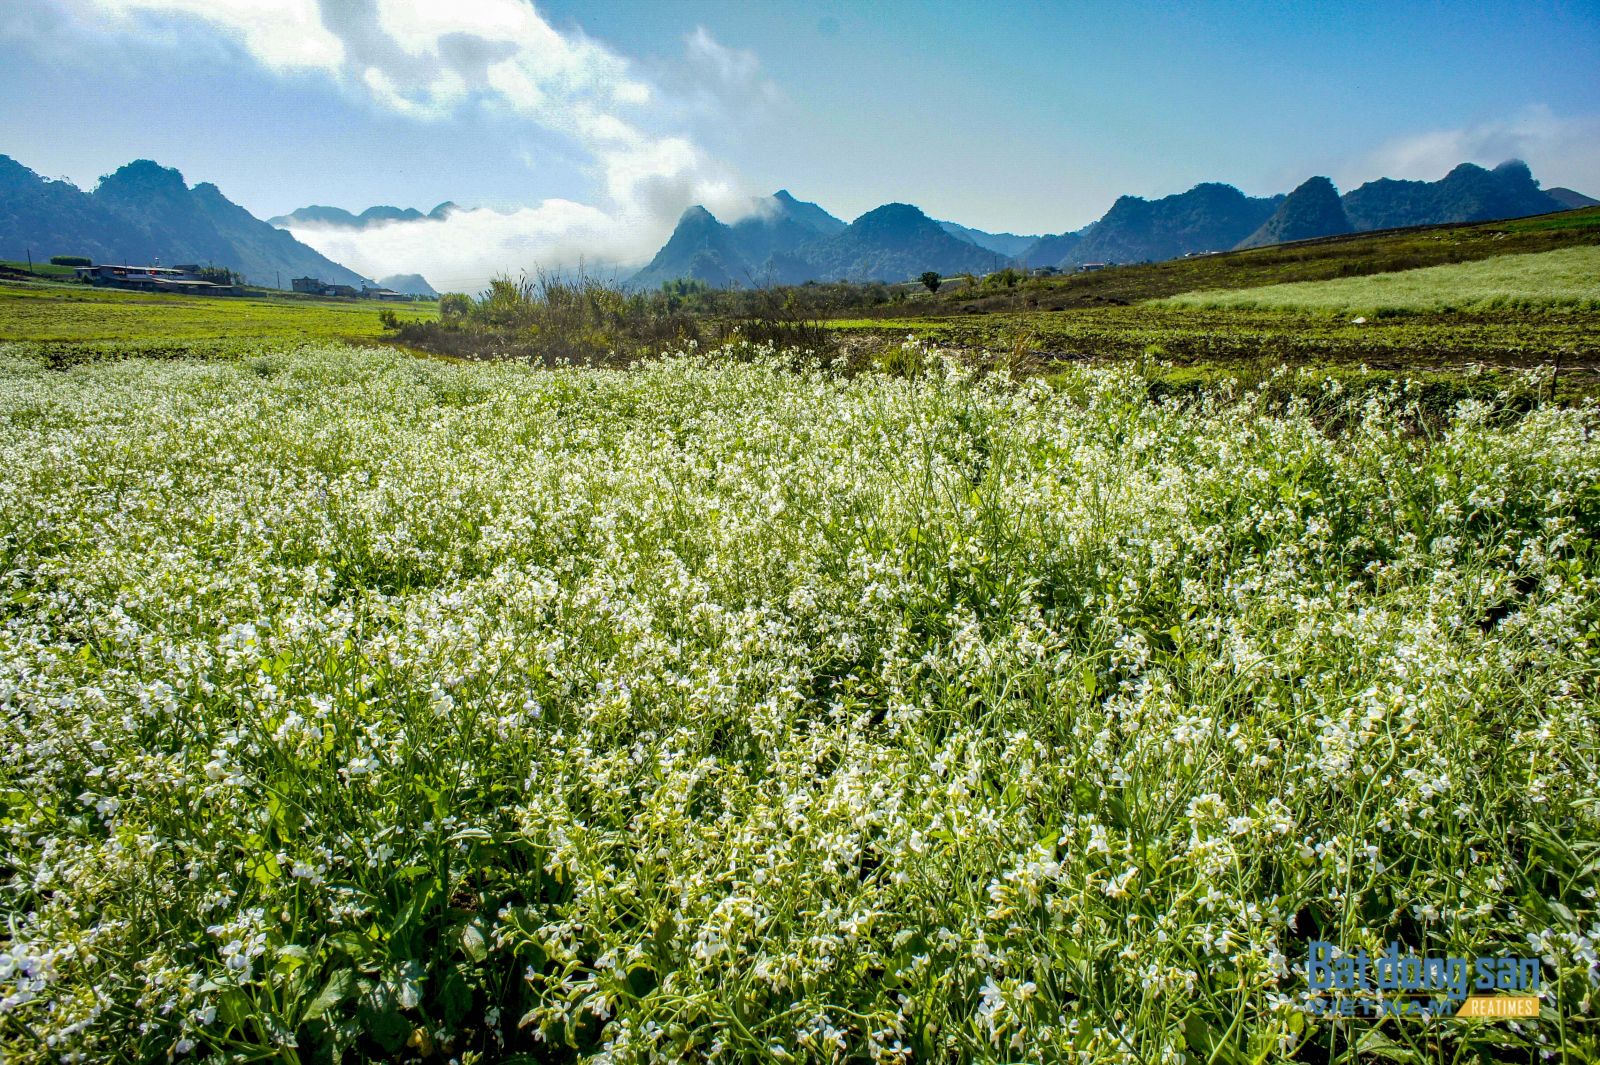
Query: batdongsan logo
pixel 1398 983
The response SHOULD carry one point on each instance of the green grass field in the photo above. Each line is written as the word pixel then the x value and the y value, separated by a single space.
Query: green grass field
pixel 1568 278
pixel 1330 258
pixel 728 709
pixel 87 318
pixel 1459 354
pixel 43 269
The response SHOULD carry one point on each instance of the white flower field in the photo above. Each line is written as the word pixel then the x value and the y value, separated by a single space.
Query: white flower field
pixel 362 707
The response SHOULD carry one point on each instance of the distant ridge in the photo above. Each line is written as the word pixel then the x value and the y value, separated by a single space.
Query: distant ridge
pixel 1569 199
pixel 1469 193
pixel 1010 245
pixel 144 212
pixel 410 284
pixel 1312 210
pixel 1209 217
pixel 318 215
pixel 895 242
pixel 789 241
pixel 1057 250
pixel 702 248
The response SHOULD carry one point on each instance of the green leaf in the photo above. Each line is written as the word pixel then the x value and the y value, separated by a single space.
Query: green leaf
pixel 472 942
pixel 641 981
pixel 405 980
pixel 1374 1041
pixel 454 997
pixel 335 991
pixel 290 957
pixel 353 944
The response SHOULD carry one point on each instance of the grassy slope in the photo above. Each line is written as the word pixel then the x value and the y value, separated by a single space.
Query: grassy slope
pixel 1568 277
pixel 45 269
pixel 77 315
pixel 1355 255
pixel 1081 317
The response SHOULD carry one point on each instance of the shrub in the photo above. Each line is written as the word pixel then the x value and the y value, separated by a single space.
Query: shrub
pixel 70 260
pixel 552 318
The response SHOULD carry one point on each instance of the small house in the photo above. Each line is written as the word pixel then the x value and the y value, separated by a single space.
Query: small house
pixel 153 279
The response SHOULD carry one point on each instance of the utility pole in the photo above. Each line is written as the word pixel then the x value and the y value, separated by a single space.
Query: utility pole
pixel 30 260
pixel 277 279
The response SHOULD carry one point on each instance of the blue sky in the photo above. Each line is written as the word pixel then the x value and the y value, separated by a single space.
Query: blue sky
pixel 584 128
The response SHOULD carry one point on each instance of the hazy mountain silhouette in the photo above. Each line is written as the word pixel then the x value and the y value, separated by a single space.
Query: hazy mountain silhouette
pixel 1569 199
pixel 1011 245
pixel 1468 193
pixel 1209 217
pixel 46 218
pixel 144 212
pixel 1312 210
pixel 895 242
pixel 702 248
pixel 318 215
pixel 1058 250
pixel 410 284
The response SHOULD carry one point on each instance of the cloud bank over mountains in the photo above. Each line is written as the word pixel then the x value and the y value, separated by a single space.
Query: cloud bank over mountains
pixel 431 60
pixel 1562 149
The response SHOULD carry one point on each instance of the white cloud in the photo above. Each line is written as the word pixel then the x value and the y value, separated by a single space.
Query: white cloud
pixel 431 59
pixel 284 35
pixel 717 80
pixel 1561 150
pixel 462 251
pixel 735 67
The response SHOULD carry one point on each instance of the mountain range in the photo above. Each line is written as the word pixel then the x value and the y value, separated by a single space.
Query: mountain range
pixel 1312 210
pixel 410 284
pixel 143 213
pixel 788 241
pixel 317 215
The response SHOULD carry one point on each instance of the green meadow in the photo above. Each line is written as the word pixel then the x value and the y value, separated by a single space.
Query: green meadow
pixel 1568 278
pixel 105 319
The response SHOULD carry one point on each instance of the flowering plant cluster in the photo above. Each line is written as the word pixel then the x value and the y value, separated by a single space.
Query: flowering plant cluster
pixel 354 707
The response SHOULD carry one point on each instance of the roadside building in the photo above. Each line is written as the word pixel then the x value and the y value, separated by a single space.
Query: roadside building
pixel 153 279
pixel 314 286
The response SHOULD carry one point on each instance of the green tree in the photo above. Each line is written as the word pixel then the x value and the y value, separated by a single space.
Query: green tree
pixel 931 279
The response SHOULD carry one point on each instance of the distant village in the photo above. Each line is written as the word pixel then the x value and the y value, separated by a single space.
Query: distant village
pixel 194 279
